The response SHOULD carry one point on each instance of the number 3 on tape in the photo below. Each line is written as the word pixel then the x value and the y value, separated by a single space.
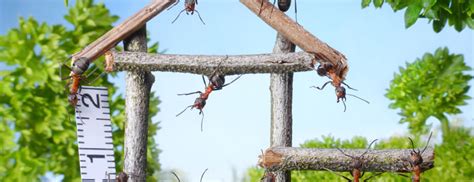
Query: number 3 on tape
pixel 94 135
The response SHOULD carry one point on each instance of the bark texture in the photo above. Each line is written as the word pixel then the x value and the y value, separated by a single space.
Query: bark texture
pixel 296 34
pixel 123 30
pixel 281 88
pixel 392 160
pixel 205 65
pixel 138 85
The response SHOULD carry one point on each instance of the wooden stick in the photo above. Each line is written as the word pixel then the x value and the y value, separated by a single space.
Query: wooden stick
pixel 205 65
pixel 281 91
pixel 393 160
pixel 296 33
pixel 123 30
pixel 137 97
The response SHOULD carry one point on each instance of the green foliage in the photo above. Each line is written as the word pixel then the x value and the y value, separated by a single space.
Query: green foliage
pixel 454 159
pixel 457 13
pixel 432 86
pixel 37 130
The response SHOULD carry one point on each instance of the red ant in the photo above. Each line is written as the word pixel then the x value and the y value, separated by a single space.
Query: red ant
pixel 327 69
pixel 216 82
pixel 189 7
pixel 416 160
pixel 357 165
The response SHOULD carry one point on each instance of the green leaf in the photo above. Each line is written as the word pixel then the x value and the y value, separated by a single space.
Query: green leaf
pixel 378 3
pixel 365 3
pixel 411 15
pixel 66 2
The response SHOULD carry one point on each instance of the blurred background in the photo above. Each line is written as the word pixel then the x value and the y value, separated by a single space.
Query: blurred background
pixel 37 138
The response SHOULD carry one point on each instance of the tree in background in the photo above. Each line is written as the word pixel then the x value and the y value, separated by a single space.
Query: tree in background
pixel 37 130
pixel 434 85
pixel 457 13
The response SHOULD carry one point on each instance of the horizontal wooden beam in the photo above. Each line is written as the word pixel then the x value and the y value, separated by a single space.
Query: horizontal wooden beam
pixel 122 31
pixel 391 160
pixel 206 65
pixel 297 34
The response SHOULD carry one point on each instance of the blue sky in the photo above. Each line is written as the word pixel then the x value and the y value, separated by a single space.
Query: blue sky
pixel 237 122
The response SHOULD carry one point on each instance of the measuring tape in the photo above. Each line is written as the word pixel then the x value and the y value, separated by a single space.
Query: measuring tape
pixel 94 135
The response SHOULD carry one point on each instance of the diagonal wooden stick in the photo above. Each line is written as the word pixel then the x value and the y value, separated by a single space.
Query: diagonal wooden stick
pixel 297 34
pixel 122 31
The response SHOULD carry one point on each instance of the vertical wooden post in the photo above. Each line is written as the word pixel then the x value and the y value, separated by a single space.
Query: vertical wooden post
pixel 281 88
pixel 138 85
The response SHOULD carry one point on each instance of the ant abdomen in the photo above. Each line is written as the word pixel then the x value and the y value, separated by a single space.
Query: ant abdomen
pixel 199 103
pixel 80 65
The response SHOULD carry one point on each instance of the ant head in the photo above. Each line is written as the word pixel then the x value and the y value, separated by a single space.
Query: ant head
pixel 217 81
pixel 341 93
pixel 80 65
pixel 323 68
pixel 72 98
pixel 199 103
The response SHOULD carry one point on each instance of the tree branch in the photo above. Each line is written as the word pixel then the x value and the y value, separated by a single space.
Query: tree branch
pixel 200 64
pixel 393 160
pixel 296 33
pixel 123 30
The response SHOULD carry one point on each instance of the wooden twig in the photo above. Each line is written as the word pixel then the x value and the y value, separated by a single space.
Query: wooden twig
pixel 122 31
pixel 296 33
pixel 205 65
pixel 281 91
pixel 137 92
pixel 393 160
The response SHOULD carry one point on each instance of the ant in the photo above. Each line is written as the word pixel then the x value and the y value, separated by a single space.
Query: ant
pixel 189 7
pixel 416 160
pixel 357 164
pixel 283 5
pixel 216 82
pixel 327 69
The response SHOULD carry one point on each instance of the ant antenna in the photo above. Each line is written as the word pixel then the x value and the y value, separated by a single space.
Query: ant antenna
pixel 344 103
pixel 171 7
pixel 202 175
pixel 232 81
pixel 199 16
pixel 175 175
pixel 359 98
pixel 412 145
pixel 296 12
pixel 349 86
pixel 202 119
pixel 426 146
pixel 369 147
pixel 178 15
pixel 324 85
pixel 184 110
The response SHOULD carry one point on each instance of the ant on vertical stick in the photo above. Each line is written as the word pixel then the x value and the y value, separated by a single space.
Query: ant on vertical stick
pixel 357 165
pixel 189 7
pixel 216 82
pixel 327 69
pixel 416 159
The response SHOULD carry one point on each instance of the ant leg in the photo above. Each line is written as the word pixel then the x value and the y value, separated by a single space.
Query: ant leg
pixel 296 13
pixel 173 5
pixel 337 174
pixel 349 86
pixel 232 81
pixel 204 80
pixel 359 98
pixel 178 15
pixel 199 15
pixel 322 86
pixel 184 110
pixel 175 175
pixel 378 174
pixel 197 92
pixel 344 103
pixel 60 68
pixel 202 175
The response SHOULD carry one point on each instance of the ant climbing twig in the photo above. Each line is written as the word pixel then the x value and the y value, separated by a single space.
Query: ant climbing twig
pixel 189 7
pixel 327 69
pixel 216 82
pixel 416 159
pixel 357 165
